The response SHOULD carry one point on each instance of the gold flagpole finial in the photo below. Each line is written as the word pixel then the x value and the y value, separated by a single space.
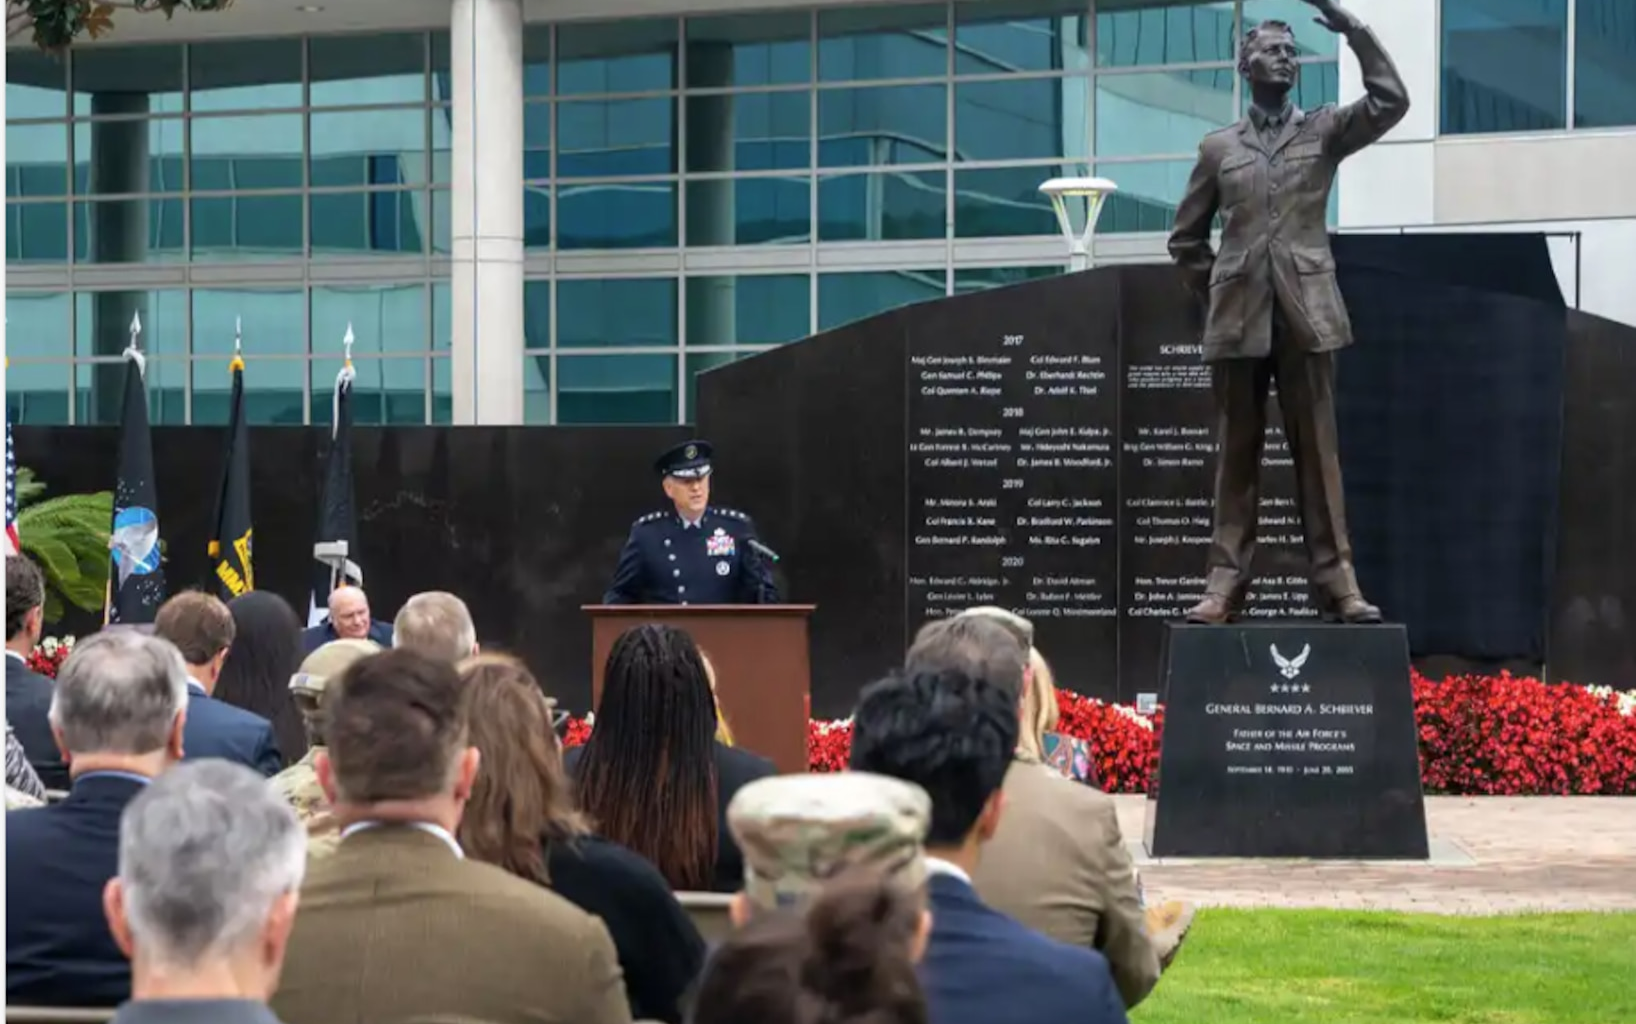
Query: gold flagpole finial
pixel 237 364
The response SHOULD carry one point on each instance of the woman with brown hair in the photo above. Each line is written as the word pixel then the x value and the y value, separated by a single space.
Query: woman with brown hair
pixel 521 817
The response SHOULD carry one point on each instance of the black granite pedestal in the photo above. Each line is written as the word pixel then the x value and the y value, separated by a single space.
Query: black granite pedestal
pixel 1287 740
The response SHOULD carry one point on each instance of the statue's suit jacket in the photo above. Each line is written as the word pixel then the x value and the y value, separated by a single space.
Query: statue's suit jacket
pixel 1273 202
pixel 394 926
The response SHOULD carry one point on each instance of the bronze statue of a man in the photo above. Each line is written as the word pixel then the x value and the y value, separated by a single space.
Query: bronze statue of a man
pixel 1275 312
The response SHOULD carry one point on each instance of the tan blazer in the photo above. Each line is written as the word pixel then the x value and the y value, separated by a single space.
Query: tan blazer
pixel 1058 864
pixel 393 926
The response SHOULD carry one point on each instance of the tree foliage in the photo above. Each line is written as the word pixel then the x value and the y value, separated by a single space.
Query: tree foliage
pixel 67 537
pixel 57 23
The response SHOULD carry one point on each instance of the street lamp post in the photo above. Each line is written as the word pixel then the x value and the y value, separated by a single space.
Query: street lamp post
pixel 1094 192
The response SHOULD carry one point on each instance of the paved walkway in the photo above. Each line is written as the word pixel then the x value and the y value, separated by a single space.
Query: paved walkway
pixel 1490 855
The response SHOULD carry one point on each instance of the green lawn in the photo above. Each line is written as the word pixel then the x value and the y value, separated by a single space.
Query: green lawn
pixel 1341 967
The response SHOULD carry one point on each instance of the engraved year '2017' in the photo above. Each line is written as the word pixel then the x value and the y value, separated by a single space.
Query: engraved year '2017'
pixel 1011 340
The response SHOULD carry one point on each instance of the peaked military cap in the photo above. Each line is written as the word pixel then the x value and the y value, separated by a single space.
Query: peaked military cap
pixel 687 461
pixel 798 831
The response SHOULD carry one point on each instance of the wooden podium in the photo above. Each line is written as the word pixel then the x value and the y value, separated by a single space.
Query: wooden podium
pixel 762 659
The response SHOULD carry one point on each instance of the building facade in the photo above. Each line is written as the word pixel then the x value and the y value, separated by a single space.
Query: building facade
pixel 562 212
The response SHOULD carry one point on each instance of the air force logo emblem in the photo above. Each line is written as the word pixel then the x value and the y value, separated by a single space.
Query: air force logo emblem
pixel 1289 668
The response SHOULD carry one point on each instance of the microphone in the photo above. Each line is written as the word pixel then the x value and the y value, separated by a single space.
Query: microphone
pixel 763 550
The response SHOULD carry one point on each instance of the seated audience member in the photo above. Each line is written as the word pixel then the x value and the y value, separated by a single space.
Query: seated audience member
pixel 521 817
pixel 954 736
pixel 266 651
pixel 117 713
pixel 201 627
pixel 299 782
pixel 1057 862
pixel 436 624
pixel 20 775
pixel 653 776
pixel 210 861
pixel 348 619
pixel 397 923
pixel 848 957
pixel 28 694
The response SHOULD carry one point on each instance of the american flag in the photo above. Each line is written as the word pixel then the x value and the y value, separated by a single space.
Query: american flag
pixel 13 544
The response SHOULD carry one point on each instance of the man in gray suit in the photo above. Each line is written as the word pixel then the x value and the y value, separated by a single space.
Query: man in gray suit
pixel 210 864
pixel 1275 312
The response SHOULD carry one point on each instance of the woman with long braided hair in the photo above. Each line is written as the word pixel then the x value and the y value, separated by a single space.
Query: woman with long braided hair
pixel 653 775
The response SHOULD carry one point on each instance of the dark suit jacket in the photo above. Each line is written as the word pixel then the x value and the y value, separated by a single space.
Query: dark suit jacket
pixel 1274 203
pixel 58 858
pixel 28 702
pixel 735 769
pixel 314 637
pixel 982 967
pixel 393 926
pixel 217 729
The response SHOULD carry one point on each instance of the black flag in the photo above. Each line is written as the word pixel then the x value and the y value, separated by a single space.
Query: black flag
pixel 136 579
pixel 336 544
pixel 231 536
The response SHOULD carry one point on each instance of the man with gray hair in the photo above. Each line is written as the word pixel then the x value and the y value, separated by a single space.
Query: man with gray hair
pixel 117 715
pixel 436 624
pixel 210 867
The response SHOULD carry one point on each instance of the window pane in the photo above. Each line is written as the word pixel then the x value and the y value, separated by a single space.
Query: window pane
pixel 1137 33
pixel 1316 83
pixel 537 216
pixel 383 318
pixel 263 74
pixel 1605 64
pixel 443 392
pixel 99 392
pixel 536 388
pixel 1020 35
pixel 1163 112
pixel 611 138
pixel 759 309
pixel 616 389
pixel 1504 65
pixel 441 216
pixel 1310 40
pixel 616 56
pixel 1003 202
pixel 537 140
pixel 1034 118
pixel 749 211
pixel 877 207
pixel 749 49
pixel 37 328
pixel 749 131
pixel 843 298
pixel 386 392
pixel 978 279
pixel 36 159
pixel 617 215
pixel 36 232
pixel 442 317
pixel 126 80
pixel 536 60
pixel 36 86
pixel 442 145
pixel 863 43
pixel 273 321
pixel 128 157
pixel 883 125
pixel 1147 196
pixel 536 315
pixel 128 231
pixel 247 228
pixel 358 70
pixel 369 223
pixel 238 153
pixel 272 392
pixel 37 394
pixel 369 147
pixel 617 312
pixel 102 323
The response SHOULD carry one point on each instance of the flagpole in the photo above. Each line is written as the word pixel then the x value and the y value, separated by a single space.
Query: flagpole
pixel 133 353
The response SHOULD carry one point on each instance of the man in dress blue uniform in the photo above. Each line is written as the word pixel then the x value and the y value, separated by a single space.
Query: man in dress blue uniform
pixel 695 552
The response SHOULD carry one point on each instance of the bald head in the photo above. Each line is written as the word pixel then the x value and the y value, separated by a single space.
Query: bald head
pixel 349 613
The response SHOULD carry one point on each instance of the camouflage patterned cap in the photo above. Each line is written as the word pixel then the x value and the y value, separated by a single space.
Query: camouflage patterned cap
pixel 797 831
pixel 326 663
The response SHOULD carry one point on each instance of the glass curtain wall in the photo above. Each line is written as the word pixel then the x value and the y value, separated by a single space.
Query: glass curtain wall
pixel 697 189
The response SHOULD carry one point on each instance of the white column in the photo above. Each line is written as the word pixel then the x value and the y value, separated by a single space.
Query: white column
pixel 486 71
